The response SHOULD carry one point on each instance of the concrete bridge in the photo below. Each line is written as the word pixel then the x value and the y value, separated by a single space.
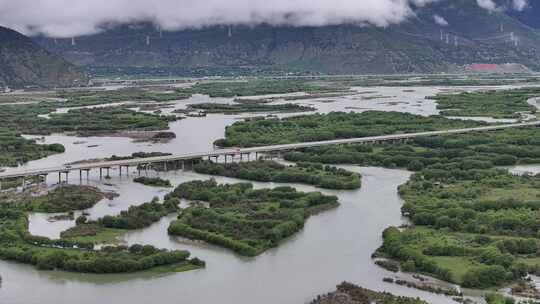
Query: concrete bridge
pixel 176 162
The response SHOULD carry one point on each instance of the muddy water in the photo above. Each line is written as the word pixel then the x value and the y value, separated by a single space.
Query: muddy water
pixel 333 246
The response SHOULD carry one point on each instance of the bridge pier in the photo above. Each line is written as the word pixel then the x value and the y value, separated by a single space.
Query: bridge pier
pixel 60 177
pixel 120 169
pixel 101 172
pixel 87 173
pixel 248 154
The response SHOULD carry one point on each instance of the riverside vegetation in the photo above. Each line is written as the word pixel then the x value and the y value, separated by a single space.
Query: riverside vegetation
pixel 153 181
pixel 77 98
pixel 269 171
pixel 15 149
pixel 109 227
pixel 473 219
pixel 348 293
pixel 240 218
pixel 64 199
pixel 17 244
pixel 495 103
pixel 336 125
pixel 24 118
pixel 474 224
pixel 248 107
pixel 262 87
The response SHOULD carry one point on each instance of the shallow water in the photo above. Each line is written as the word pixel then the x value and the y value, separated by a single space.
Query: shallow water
pixel 333 247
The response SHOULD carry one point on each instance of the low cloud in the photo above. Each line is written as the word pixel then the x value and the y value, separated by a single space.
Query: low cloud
pixel 67 18
pixel 490 5
pixel 440 20
pixel 520 5
pixel 487 4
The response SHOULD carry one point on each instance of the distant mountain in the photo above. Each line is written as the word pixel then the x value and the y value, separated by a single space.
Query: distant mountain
pixel 529 16
pixel 25 63
pixel 443 36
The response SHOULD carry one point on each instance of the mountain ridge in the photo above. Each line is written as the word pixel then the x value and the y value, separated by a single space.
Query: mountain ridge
pixel 475 35
pixel 25 63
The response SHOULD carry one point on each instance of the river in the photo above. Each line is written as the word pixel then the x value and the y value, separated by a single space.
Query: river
pixel 334 246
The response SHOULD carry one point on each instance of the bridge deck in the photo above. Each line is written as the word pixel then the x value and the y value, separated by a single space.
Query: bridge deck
pixel 264 149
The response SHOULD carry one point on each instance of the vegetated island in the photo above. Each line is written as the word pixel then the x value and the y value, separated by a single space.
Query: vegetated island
pixel 78 98
pixel 335 125
pixel 25 119
pixel 270 171
pixel 63 198
pixel 17 244
pixel 263 87
pixel 153 181
pixel 473 224
pixel 348 293
pixel 16 150
pixel 245 220
pixel 108 228
pixel 493 103
pixel 236 108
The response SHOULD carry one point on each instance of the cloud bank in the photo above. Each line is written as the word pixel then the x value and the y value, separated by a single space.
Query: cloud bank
pixel 518 5
pixel 440 20
pixel 67 18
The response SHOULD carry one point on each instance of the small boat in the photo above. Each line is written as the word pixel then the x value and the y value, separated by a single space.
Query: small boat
pixel 92 146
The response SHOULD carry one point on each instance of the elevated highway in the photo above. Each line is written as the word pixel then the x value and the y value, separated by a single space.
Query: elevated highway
pixel 177 161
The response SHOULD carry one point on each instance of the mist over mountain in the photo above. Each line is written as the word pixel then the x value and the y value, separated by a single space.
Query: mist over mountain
pixel 441 36
pixel 23 63
pixel 397 36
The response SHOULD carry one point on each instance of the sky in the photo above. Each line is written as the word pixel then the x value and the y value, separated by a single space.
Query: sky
pixel 68 18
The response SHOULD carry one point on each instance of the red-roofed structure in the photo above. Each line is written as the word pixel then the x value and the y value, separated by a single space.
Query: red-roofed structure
pixel 484 66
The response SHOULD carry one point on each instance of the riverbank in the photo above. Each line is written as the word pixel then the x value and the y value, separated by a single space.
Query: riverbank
pixel 348 234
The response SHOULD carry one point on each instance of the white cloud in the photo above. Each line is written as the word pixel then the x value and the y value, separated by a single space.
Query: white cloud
pixel 520 5
pixel 487 4
pixel 440 20
pixel 65 18
pixel 490 5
